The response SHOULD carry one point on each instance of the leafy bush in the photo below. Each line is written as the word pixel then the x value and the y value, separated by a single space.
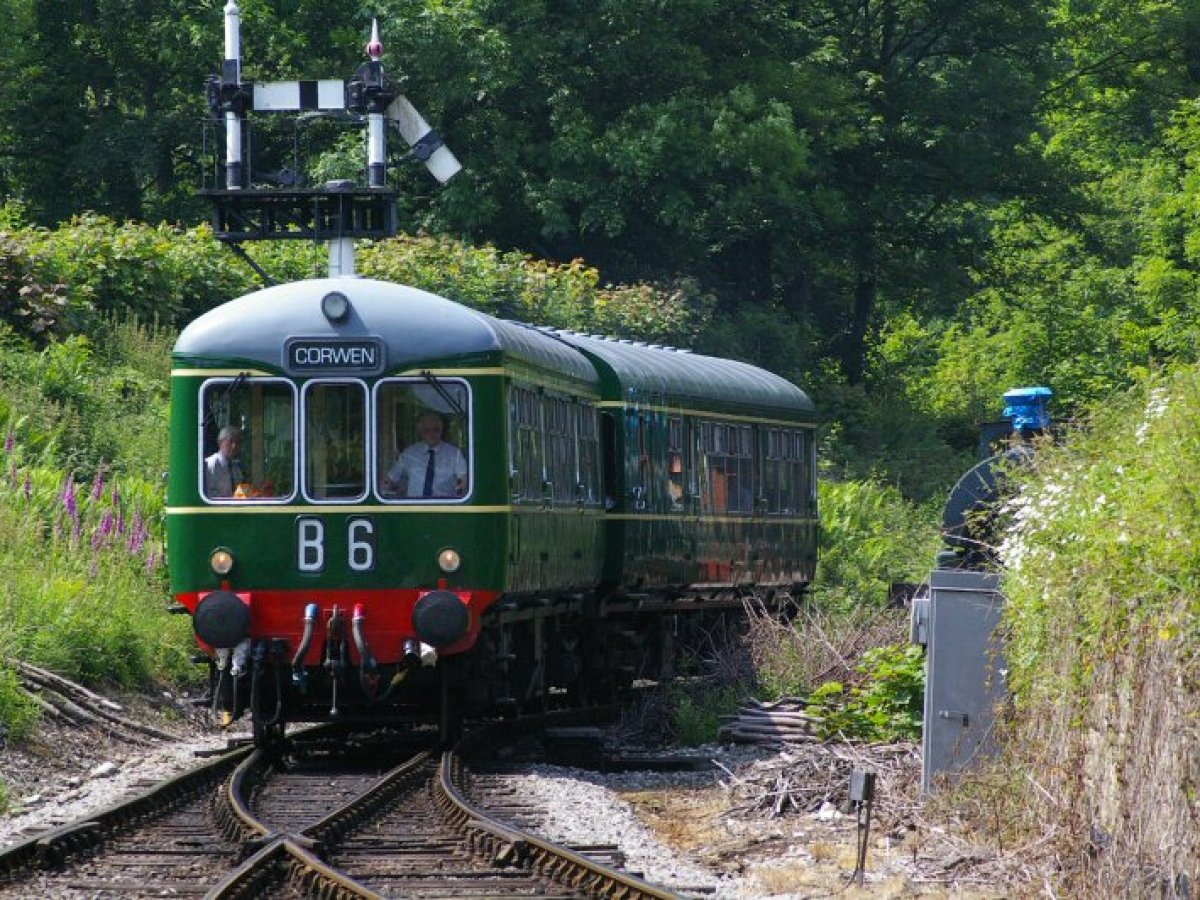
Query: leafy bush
pixel 31 302
pixel 885 705
pixel 696 714
pixel 870 537
pixel 515 285
pixel 157 274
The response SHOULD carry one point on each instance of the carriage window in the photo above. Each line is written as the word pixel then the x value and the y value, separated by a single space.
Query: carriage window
pixel 247 439
pixel 728 457
pixel 422 440
pixel 675 476
pixel 335 459
pixel 588 436
pixel 525 448
pixel 561 465
pixel 784 475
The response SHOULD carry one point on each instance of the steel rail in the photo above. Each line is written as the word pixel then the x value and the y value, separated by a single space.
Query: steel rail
pixel 284 859
pixel 330 829
pixel 506 845
pixel 52 848
pixel 291 857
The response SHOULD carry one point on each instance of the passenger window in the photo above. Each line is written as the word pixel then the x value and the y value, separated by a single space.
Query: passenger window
pixel 247 439
pixel 784 471
pixel 525 438
pixel 675 478
pixel 587 433
pixel 562 471
pixel 728 468
pixel 335 458
pixel 423 434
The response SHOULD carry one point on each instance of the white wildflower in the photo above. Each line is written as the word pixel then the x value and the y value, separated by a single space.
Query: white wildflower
pixel 1155 407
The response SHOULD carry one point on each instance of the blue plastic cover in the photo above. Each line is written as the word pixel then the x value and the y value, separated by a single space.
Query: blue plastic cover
pixel 1027 407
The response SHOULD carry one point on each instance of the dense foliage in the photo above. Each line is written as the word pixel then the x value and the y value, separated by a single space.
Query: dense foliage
pixel 1103 618
pixel 906 206
pixel 909 206
pixel 823 166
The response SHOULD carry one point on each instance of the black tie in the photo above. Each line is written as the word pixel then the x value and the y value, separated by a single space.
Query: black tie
pixel 428 490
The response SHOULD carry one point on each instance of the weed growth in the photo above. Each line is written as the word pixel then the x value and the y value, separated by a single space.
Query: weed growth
pixel 886 703
pixel 696 714
pixel 870 537
pixel 1102 626
pixel 82 585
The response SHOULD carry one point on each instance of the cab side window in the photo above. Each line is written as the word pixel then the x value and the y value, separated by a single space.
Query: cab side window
pixel 422 440
pixel 247 440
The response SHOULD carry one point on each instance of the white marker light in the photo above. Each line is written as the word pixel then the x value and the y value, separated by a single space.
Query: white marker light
pixel 449 560
pixel 221 561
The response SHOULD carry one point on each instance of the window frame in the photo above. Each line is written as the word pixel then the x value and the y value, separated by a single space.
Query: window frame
pixel 368 439
pixel 200 448
pixel 415 380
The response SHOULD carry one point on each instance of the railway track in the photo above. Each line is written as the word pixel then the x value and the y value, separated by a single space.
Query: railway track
pixel 334 815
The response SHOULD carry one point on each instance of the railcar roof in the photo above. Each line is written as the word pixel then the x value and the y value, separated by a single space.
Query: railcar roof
pixel 649 374
pixel 418 328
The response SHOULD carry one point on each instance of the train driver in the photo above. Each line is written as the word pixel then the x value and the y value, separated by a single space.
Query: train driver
pixel 223 470
pixel 429 468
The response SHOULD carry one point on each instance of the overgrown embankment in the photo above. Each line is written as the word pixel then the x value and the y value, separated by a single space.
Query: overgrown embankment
pixel 88 313
pixel 1103 621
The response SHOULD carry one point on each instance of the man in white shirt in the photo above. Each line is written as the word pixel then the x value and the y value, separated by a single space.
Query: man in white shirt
pixel 223 470
pixel 429 468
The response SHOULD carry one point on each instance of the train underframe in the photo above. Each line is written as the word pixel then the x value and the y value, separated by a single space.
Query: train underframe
pixel 533 653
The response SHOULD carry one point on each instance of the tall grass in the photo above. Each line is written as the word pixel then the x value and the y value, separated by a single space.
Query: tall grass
pixel 82 581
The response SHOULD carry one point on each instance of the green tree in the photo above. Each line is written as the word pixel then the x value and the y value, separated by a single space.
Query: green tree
pixel 816 158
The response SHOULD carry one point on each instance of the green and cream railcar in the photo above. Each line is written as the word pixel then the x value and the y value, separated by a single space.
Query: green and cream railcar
pixel 383 500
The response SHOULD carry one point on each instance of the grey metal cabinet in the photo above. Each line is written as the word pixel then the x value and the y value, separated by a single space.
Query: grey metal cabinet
pixel 964 669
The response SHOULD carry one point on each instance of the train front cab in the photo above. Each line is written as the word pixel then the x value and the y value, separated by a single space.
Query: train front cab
pixel 343 560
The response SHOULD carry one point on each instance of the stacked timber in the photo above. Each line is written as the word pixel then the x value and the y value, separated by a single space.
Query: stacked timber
pixel 782 722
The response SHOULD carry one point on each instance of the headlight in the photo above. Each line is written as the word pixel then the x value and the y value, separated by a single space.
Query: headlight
pixel 221 561
pixel 449 560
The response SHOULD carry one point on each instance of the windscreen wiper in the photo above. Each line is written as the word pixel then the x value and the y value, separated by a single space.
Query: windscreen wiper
pixel 443 393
